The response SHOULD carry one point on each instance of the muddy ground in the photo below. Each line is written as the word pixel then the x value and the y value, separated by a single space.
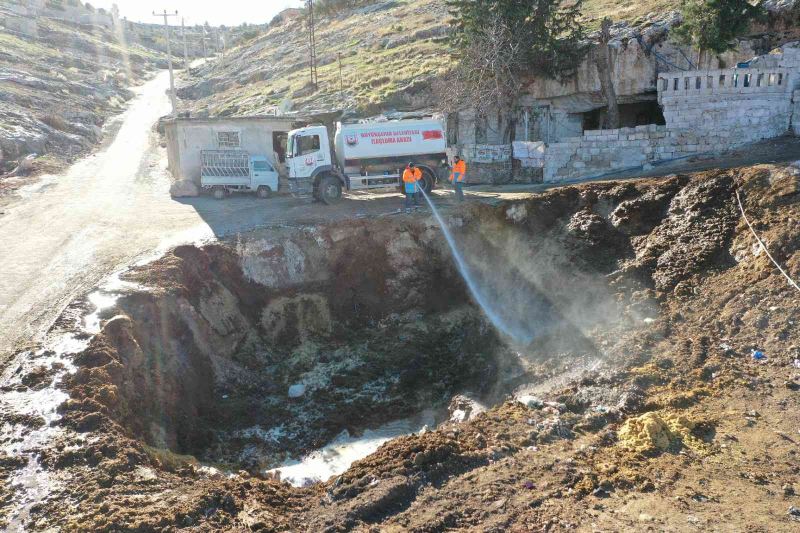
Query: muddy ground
pixel 622 317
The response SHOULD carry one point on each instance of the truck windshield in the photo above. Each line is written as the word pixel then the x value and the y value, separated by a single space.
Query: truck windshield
pixel 261 165
pixel 290 146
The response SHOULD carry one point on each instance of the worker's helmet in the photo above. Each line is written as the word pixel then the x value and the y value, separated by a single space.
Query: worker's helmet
pixel 411 165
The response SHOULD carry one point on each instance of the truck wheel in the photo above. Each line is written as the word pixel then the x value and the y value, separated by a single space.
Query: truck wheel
pixel 330 190
pixel 427 182
pixel 218 192
pixel 264 191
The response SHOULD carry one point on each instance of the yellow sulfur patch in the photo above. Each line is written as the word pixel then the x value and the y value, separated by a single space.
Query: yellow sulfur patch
pixel 657 432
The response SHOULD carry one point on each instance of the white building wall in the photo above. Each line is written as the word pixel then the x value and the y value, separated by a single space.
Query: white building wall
pixel 187 138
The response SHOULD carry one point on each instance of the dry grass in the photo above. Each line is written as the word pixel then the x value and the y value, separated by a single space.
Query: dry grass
pixel 372 73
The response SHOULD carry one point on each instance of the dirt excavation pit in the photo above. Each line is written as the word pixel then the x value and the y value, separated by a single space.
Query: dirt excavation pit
pixel 583 348
pixel 243 358
pixel 246 354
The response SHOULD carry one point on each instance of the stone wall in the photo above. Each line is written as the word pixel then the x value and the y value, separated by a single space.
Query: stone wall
pixel 603 151
pixel 725 108
pixel 706 111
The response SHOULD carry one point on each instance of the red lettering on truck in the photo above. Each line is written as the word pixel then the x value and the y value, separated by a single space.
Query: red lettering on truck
pixel 432 135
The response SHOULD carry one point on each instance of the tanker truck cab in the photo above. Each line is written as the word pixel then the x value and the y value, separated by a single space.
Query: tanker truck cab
pixel 311 168
pixel 365 156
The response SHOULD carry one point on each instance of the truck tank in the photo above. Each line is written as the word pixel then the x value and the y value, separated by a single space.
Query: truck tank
pixel 383 146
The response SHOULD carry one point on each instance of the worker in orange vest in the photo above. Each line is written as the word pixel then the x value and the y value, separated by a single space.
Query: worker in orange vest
pixel 457 177
pixel 411 177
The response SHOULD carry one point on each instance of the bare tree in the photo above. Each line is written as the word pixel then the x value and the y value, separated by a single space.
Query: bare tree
pixel 486 77
pixel 605 71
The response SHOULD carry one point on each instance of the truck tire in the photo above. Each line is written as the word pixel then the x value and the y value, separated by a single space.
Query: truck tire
pixel 264 192
pixel 218 192
pixel 428 181
pixel 330 190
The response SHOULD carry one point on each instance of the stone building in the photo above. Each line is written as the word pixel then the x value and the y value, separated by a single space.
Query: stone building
pixel 705 112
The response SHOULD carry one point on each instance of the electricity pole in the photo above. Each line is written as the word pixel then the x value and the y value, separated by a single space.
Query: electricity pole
pixel 169 57
pixel 185 49
pixel 341 78
pixel 312 42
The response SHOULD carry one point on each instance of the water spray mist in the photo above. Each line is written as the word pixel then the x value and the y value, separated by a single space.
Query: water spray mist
pixel 502 324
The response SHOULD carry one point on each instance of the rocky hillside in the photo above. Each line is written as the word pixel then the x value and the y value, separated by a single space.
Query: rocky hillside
pixel 59 82
pixel 390 51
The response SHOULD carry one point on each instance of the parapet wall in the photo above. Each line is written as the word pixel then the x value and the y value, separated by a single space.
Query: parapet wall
pixel 752 104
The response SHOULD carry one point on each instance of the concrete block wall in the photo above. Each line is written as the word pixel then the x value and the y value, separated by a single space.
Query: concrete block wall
pixel 602 151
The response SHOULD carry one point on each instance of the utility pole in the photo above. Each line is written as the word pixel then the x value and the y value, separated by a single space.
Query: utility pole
pixel 169 57
pixel 185 49
pixel 341 78
pixel 312 42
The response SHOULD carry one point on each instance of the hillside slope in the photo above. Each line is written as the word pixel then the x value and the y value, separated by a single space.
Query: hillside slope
pixel 390 52
pixel 59 82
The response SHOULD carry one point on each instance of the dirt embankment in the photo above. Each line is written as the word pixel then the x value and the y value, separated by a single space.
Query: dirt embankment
pixel 641 405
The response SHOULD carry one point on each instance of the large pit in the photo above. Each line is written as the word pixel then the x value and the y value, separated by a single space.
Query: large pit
pixel 525 367
pixel 246 353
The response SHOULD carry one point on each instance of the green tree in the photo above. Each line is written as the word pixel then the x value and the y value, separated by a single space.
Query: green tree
pixel 549 32
pixel 713 25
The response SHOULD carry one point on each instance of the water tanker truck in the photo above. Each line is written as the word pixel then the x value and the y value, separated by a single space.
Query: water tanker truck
pixel 364 156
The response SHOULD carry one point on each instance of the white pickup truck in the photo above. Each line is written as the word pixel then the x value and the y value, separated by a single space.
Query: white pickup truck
pixel 225 171
pixel 364 156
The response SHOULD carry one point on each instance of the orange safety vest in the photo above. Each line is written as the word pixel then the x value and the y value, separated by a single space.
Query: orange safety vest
pixel 412 175
pixel 459 168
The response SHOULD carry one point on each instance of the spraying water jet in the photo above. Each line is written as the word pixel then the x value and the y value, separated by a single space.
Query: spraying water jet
pixel 517 329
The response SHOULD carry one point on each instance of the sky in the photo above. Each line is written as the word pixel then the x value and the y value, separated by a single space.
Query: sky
pixel 227 12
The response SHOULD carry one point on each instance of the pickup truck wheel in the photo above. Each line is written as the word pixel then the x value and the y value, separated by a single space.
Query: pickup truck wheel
pixel 330 190
pixel 264 191
pixel 218 192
